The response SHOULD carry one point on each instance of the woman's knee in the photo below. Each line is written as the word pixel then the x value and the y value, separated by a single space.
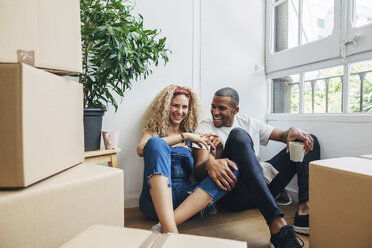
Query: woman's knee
pixel 157 157
pixel 155 145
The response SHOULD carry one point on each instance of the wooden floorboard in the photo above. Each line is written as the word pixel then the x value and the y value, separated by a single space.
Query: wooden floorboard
pixel 247 226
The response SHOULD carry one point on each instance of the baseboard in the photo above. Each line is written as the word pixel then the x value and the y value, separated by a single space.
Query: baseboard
pixel 131 202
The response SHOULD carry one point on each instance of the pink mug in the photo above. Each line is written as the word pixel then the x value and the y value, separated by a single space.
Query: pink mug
pixel 111 139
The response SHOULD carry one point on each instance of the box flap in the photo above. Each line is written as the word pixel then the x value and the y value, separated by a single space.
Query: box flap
pixel 348 164
pixel 72 176
pixel 367 156
pixel 99 236
pixel 188 241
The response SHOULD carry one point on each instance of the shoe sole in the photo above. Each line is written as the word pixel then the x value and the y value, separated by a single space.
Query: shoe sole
pixel 284 203
pixel 302 230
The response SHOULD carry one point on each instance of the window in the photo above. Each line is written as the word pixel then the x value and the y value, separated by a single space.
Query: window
pixel 286 94
pixel 318 56
pixel 293 33
pixel 362 14
pixel 323 90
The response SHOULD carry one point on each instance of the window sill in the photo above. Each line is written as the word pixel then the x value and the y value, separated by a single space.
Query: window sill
pixel 348 118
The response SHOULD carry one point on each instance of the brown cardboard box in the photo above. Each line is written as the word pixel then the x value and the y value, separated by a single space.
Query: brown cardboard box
pixel 48 30
pixel 41 124
pixel 114 237
pixel 50 212
pixel 341 203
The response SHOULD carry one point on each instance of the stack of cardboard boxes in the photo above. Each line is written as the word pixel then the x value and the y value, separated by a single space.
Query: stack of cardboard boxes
pixel 46 195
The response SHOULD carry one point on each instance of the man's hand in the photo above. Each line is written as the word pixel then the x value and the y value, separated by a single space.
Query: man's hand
pixel 296 133
pixel 216 145
pixel 221 174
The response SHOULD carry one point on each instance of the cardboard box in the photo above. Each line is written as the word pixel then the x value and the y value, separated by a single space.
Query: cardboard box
pixel 341 203
pixel 367 156
pixel 41 124
pixel 114 237
pixel 44 33
pixel 50 212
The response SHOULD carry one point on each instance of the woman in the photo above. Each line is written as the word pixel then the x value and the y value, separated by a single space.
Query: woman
pixel 166 145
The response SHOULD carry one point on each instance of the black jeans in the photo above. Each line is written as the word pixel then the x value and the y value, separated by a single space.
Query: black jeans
pixel 252 190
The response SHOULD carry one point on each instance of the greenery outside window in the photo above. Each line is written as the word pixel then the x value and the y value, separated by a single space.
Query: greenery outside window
pixel 323 90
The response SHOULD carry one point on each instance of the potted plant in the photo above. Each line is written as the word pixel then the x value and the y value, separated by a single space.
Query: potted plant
pixel 116 50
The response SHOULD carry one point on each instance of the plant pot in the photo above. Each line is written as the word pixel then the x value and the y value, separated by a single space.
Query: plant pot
pixel 92 128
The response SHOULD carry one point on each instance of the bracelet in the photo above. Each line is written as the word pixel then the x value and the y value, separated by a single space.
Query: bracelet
pixel 183 138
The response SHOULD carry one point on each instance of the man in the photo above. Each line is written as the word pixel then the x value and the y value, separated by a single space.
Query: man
pixel 238 147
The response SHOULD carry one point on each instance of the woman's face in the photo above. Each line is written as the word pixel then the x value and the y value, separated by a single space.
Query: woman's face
pixel 179 109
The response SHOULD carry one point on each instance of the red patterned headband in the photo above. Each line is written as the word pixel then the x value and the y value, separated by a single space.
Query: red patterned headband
pixel 182 91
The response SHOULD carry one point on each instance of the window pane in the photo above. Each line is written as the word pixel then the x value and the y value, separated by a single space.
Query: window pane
pixel 360 87
pixel 295 97
pixel 363 13
pixel 286 94
pixel 323 90
pixel 335 95
pixel 286 25
pixel 317 19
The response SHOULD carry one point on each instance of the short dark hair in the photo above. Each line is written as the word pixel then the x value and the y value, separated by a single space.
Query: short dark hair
pixel 229 92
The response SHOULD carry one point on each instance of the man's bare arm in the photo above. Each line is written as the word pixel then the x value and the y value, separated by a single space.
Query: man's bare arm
pixel 292 134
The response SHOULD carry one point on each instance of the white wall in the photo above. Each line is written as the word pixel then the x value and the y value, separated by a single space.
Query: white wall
pixel 232 42
pixel 226 51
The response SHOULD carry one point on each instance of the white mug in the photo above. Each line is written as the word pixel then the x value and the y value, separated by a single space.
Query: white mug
pixel 296 151
pixel 111 139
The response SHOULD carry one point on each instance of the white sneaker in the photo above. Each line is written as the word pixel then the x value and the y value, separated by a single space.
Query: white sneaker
pixel 284 198
pixel 156 228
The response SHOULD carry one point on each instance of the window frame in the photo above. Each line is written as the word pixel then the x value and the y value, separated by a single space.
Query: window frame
pixel 347 54
pixel 302 54
pixel 355 39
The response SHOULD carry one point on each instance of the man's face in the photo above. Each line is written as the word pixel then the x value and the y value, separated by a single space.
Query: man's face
pixel 222 111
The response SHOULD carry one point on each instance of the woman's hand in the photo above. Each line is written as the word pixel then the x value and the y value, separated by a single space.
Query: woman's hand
pixel 200 140
pixel 216 145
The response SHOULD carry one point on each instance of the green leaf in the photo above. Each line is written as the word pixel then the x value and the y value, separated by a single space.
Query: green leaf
pixel 116 50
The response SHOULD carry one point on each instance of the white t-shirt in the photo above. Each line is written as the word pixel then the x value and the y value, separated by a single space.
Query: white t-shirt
pixel 258 130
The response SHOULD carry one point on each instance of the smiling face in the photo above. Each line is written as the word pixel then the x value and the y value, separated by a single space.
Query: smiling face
pixel 223 111
pixel 179 109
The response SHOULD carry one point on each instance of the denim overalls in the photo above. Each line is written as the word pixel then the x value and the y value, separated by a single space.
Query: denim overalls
pixel 175 163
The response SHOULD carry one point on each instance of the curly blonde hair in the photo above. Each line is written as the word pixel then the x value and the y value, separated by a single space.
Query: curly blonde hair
pixel 156 117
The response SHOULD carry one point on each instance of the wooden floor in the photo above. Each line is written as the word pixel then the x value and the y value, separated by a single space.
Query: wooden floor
pixel 247 226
